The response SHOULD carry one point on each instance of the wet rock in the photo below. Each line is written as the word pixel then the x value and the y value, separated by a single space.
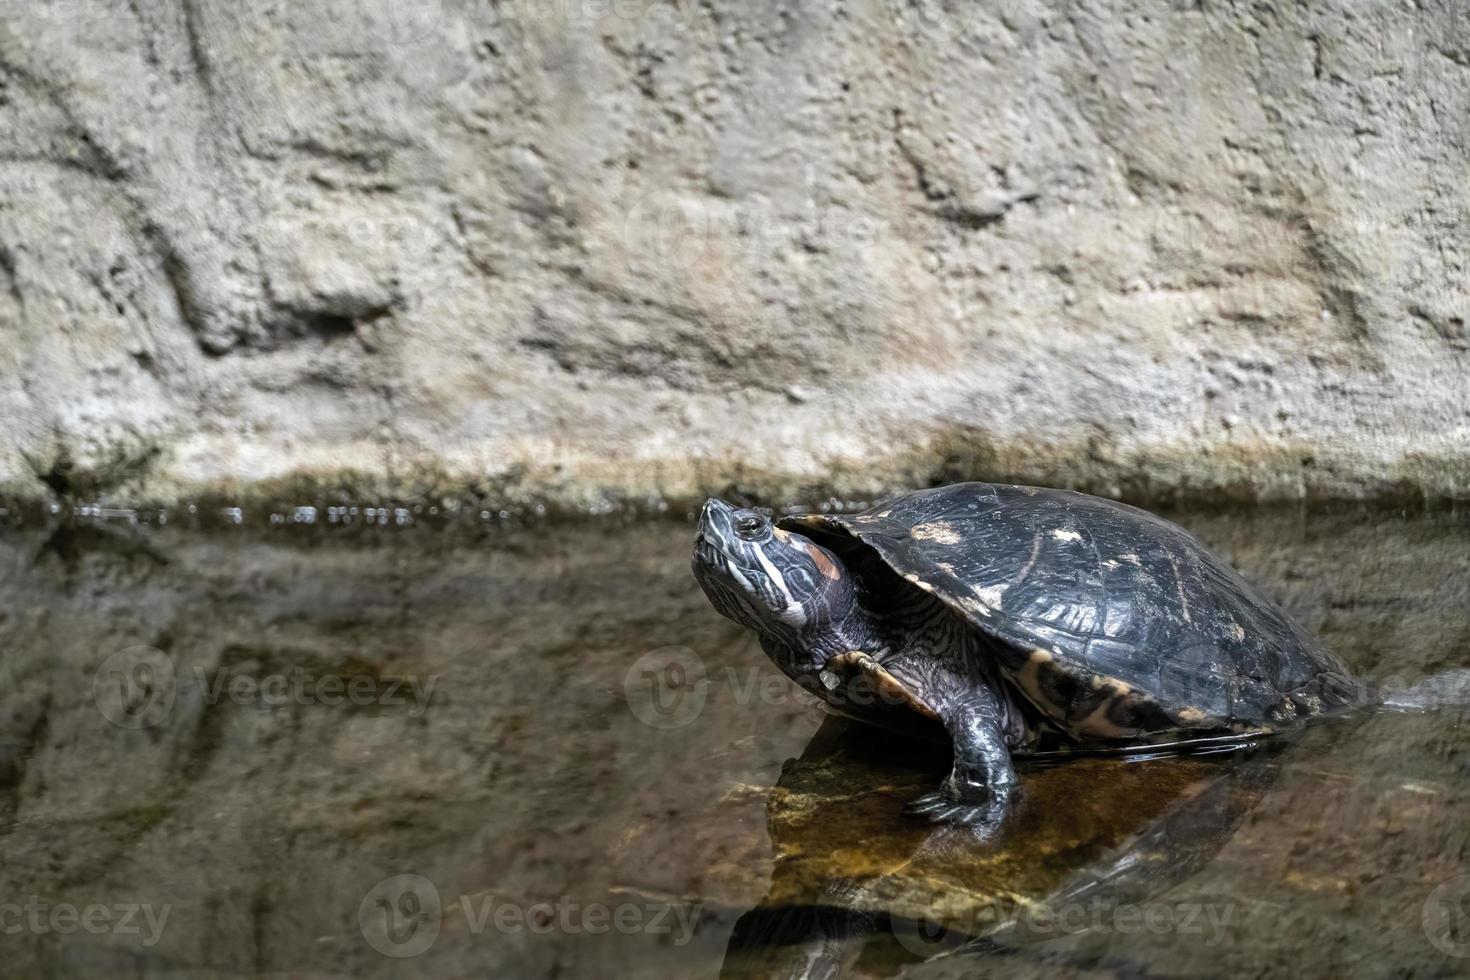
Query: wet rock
pixel 854 879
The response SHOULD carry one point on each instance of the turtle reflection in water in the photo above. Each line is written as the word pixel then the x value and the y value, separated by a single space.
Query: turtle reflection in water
pixel 855 892
pixel 1023 621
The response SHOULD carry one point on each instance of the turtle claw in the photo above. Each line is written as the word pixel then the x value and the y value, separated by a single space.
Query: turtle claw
pixel 931 806
pixel 982 818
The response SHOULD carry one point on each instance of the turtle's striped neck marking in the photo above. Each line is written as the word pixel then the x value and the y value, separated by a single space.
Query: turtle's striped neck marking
pixel 939 657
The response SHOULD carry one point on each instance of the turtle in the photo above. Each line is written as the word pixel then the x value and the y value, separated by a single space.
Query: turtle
pixel 1023 621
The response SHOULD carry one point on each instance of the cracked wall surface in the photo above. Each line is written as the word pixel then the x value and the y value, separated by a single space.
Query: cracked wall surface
pixel 592 252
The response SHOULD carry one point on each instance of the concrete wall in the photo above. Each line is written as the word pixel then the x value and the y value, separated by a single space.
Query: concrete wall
pixel 593 251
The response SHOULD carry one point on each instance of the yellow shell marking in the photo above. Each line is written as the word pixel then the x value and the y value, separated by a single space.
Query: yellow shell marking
pixel 1097 723
pixel 941 532
pixel 911 577
pixel 975 606
pixel 1028 679
pixel 991 595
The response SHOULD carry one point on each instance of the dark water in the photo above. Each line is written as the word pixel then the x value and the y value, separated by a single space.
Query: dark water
pixel 410 752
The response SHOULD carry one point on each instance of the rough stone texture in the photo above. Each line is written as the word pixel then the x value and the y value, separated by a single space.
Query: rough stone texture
pixel 590 251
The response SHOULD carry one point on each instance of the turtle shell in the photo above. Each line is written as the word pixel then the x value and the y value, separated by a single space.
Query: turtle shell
pixel 1114 624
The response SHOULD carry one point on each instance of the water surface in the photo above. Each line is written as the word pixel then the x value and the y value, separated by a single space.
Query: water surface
pixel 411 751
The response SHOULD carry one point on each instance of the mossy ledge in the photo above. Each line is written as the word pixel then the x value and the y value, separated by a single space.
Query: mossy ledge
pixel 1219 475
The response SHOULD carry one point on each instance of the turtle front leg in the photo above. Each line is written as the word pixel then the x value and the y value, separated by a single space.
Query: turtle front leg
pixel 977 791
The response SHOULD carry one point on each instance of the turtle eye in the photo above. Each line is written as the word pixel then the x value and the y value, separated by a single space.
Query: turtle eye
pixel 750 526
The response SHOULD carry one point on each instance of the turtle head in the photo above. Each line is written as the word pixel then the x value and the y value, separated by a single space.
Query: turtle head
pixel 780 584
